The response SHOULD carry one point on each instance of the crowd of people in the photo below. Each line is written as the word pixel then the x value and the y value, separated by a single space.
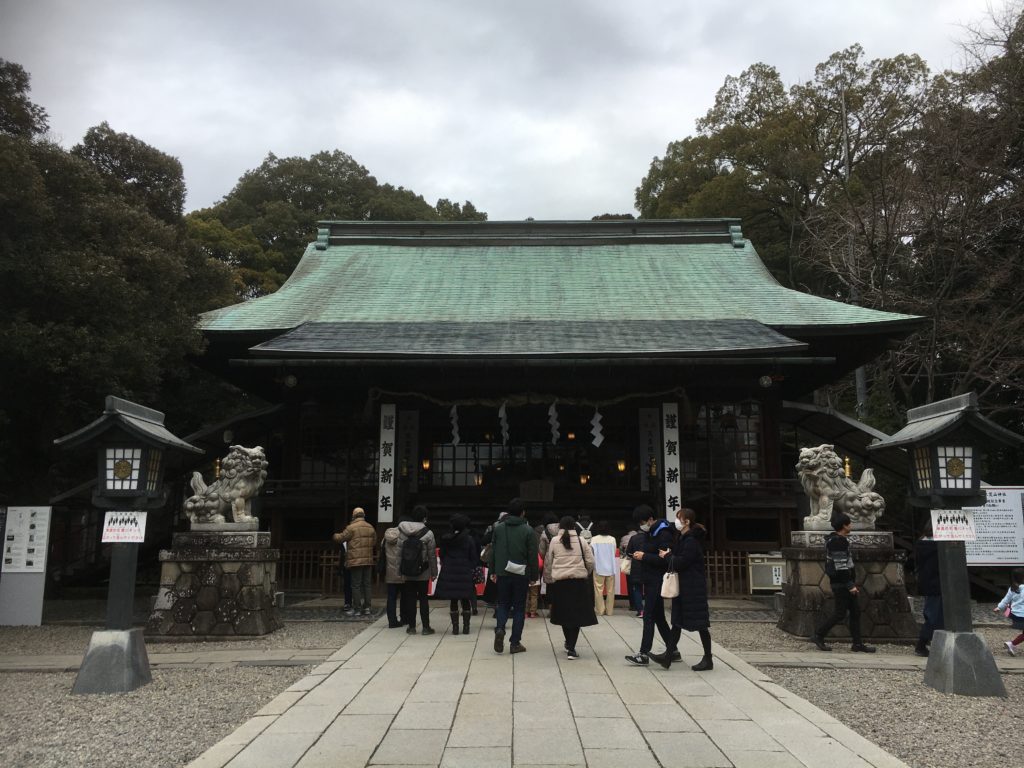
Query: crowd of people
pixel 571 565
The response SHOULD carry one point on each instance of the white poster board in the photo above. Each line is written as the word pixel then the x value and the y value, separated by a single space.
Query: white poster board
pixel 25 546
pixel 1000 527
pixel 953 525
pixel 26 539
pixel 124 528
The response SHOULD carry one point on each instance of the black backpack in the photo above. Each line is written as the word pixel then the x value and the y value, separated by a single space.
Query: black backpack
pixel 412 561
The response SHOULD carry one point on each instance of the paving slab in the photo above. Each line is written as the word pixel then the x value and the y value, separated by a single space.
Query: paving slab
pixel 392 699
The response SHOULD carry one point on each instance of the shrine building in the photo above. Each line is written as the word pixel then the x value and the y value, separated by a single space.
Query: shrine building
pixel 585 367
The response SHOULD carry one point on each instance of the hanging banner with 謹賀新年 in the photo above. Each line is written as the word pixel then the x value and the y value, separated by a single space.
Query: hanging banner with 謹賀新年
pixel 670 440
pixel 386 465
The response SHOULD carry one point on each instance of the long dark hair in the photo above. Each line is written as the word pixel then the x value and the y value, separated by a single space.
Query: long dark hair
pixel 567 523
pixel 1016 579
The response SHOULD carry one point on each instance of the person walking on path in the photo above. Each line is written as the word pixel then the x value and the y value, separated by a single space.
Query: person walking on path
pixel 690 607
pixel 634 590
pixel 459 556
pixel 605 572
pixel 1014 601
pixel 393 579
pixel 654 536
pixel 841 575
pixel 513 565
pixel 417 573
pixel 567 573
pixel 926 564
pixel 360 540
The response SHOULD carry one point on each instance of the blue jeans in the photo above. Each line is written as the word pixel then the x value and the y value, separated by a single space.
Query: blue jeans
pixel 933 618
pixel 512 590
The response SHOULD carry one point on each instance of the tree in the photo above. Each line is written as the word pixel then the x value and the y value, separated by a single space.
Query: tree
pixel 132 169
pixel 99 295
pixel 446 210
pixel 18 115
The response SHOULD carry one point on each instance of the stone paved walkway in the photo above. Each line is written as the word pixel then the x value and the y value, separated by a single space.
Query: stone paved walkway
pixel 388 698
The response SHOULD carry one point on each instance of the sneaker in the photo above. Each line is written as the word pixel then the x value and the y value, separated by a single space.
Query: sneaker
pixel 861 648
pixel 921 650
pixel 395 625
pixel 1011 648
pixel 570 654
pixel 410 630
pixel 639 614
pixel 819 641
pixel 364 612
pixel 499 641
pixel 427 631
pixel 516 648
pixel 677 656
pixel 639 659
pixel 662 658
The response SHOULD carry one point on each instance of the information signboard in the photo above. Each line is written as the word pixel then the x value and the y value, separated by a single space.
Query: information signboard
pixel 124 527
pixel 953 525
pixel 26 538
pixel 1000 528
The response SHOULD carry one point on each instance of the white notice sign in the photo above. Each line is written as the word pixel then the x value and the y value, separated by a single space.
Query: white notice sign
pixel 124 528
pixel 1000 527
pixel 953 525
pixel 26 539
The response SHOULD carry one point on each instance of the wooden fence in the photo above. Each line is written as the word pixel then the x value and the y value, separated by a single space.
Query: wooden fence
pixel 313 567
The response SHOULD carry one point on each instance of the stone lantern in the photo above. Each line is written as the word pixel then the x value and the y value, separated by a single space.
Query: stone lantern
pixel 131 445
pixel 944 442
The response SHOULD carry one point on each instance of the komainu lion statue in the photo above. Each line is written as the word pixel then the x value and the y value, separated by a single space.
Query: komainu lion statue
pixel 831 491
pixel 242 473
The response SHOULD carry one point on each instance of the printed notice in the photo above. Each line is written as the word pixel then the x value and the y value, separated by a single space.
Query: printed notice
pixel 26 539
pixel 124 528
pixel 1000 528
pixel 953 525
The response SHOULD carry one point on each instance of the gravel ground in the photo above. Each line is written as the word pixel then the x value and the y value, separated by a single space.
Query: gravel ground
pixel 924 728
pixel 42 724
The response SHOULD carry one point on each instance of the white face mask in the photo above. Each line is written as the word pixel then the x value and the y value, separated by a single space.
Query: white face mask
pixel 679 524
pixel 645 527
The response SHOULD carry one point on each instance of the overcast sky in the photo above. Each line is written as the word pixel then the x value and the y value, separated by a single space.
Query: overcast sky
pixel 544 108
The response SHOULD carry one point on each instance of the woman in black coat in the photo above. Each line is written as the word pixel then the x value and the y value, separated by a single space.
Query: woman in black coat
pixel 690 608
pixel 459 557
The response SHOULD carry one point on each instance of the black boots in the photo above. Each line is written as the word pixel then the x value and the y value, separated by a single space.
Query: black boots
pixel 703 665
pixel 465 623
pixel 819 641
pixel 455 621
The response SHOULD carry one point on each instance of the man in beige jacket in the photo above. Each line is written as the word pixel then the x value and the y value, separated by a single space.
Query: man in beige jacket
pixel 360 555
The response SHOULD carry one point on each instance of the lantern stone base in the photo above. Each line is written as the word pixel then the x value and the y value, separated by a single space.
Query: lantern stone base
pixel 216 584
pixel 807 594
pixel 960 662
pixel 116 662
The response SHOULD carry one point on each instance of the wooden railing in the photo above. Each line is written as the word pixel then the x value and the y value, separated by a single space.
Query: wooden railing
pixel 727 573
pixel 304 563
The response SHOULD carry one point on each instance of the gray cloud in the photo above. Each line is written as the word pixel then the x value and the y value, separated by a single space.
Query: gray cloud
pixel 529 108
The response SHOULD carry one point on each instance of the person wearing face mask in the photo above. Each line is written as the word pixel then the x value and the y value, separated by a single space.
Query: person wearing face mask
pixel 654 536
pixel 690 607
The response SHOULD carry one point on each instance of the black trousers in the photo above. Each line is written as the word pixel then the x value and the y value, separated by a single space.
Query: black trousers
pixel 654 616
pixel 411 592
pixel 846 602
pixel 571 635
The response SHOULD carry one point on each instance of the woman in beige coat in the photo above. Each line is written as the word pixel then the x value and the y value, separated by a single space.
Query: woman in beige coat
pixel 567 572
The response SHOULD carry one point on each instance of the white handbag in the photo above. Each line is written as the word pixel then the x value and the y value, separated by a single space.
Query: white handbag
pixel 670 584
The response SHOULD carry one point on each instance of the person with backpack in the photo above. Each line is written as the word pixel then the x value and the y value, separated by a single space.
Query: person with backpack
pixel 513 565
pixel 841 574
pixel 388 571
pixel 646 546
pixel 417 564
pixel 459 556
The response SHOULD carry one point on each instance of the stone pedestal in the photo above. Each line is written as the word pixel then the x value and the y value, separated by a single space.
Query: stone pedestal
pixel 115 662
pixel 216 583
pixel 960 662
pixel 807 594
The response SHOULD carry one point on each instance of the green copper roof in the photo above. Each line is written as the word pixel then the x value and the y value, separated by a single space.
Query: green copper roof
pixel 535 271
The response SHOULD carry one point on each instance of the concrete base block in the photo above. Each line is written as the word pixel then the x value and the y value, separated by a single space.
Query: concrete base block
pixel 116 662
pixel 960 662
